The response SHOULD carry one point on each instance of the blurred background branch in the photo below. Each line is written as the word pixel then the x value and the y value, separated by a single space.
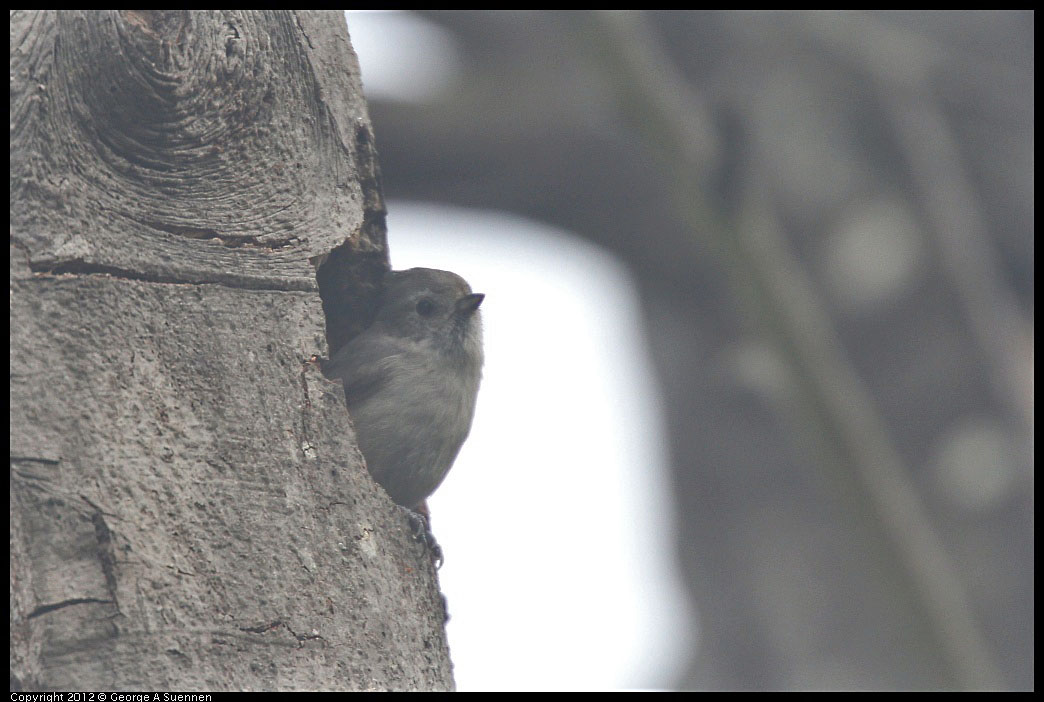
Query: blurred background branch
pixel 950 208
pixel 853 442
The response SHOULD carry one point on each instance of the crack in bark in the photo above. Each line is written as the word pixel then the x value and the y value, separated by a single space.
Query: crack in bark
pixel 80 267
pixel 301 637
pixel 44 609
pixel 35 459
pixel 106 554
pixel 227 240
pixel 262 628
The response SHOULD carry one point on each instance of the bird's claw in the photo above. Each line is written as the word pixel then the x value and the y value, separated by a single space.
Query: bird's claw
pixel 420 528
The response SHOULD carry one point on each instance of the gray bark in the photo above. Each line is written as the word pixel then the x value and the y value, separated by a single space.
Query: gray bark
pixel 188 506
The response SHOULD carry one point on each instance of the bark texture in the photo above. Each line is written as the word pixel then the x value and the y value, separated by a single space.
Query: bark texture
pixel 188 506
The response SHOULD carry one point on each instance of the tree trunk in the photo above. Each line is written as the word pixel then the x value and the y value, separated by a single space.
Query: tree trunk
pixel 188 506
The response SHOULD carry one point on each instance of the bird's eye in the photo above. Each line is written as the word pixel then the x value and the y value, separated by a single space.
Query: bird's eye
pixel 425 307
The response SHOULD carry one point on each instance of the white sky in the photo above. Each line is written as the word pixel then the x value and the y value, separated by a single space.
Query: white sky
pixel 555 519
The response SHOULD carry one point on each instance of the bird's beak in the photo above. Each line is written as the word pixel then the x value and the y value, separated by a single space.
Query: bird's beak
pixel 469 303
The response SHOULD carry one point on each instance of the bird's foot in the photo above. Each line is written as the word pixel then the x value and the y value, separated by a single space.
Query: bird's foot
pixel 420 528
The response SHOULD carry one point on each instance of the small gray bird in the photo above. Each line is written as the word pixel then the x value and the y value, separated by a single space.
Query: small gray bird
pixel 411 380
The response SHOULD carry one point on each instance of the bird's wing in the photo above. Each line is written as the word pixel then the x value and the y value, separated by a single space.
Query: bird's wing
pixel 364 365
